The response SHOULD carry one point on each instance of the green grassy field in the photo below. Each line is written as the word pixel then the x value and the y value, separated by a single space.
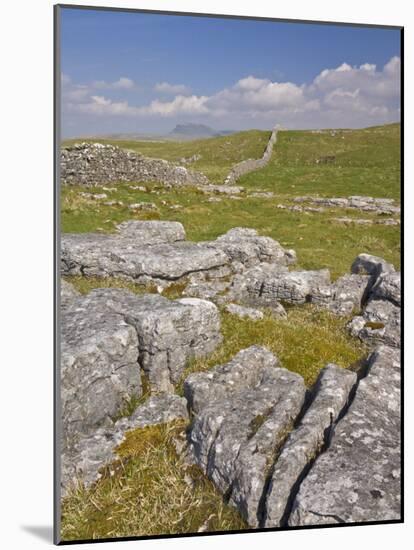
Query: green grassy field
pixel 150 494
pixel 367 162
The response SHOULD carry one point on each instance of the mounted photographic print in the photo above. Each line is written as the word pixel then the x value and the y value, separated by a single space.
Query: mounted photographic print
pixel 228 298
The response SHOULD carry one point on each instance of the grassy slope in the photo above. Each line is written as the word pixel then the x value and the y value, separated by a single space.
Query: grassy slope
pixel 367 163
pixel 149 494
pixel 217 154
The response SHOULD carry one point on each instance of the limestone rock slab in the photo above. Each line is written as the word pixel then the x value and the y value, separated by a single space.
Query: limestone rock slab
pixel 331 394
pixel 358 478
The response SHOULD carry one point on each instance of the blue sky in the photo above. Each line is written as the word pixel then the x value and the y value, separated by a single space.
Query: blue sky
pixel 137 72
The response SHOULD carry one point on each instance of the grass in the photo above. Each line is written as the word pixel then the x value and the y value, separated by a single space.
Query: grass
pixel 367 162
pixel 317 240
pixel 153 493
pixel 218 154
pixel 304 343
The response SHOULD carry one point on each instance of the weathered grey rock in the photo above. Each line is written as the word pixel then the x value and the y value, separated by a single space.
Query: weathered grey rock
pixel 94 196
pixel 388 287
pixel 99 365
pixel 244 370
pixel 365 204
pixel 331 394
pixel 371 265
pixel 67 292
pixel 93 164
pixel 358 478
pixel 255 458
pixel 262 195
pixel 244 245
pixel 380 323
pixel 366 221
pixel 152 232
pixel 206 290
pixel 267 284
pixel 156 251
pixel 142 206
pixel 349 293
pixel 85 460
pixel 222 189
pixel 114 255
pixel 244 312
pixel 110 333
pixel 243 411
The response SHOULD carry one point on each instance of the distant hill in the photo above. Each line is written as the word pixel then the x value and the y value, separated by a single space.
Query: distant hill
pixel 193 131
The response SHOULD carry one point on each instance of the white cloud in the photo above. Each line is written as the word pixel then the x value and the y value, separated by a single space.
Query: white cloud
pixel 341 96
pixel 99 105
pixel 173 89
pixel 180 105
pixel 122 83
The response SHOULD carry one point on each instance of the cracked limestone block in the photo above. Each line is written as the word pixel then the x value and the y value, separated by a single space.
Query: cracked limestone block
pixel 268 284
pixel 244 370
pixel 358 478
pixel 371 265
pixel 242 412
pixel 244 245
pixel 269 430
pixel 170 332
pixel 67 293
pixel 90 454
pixel 117 256
pixel 380 323
pixel 110 333
pixel 99 365
pixel 388 287
pixel 349 292
pixel 330 396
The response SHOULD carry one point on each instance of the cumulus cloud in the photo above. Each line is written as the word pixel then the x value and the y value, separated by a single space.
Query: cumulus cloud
pixel 172 89
pixel 342 96
pixel 122 83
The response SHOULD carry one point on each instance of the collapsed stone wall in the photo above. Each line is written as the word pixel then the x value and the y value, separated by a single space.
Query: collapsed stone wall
pixel 94 164
pixel 249 165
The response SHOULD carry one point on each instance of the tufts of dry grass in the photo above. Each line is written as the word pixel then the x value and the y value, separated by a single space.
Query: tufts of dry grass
pixel 153 492
pixel 86 284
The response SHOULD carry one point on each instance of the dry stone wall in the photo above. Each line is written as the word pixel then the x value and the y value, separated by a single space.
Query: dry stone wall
pixel 95 164
pixel 250 165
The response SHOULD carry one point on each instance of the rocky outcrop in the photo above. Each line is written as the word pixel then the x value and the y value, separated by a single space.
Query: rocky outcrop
pixel 284 456
pixel 380 318
pixel 243 411
pixel 67 293
pixel 372 279
pixel 358 478
pixel 95 164
pixel 109 335
pixel 331 395
pixel 267 284
pixel 222 189
pixel 365 204
pixel 84 460
pixel 156 251
pixel 249 165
